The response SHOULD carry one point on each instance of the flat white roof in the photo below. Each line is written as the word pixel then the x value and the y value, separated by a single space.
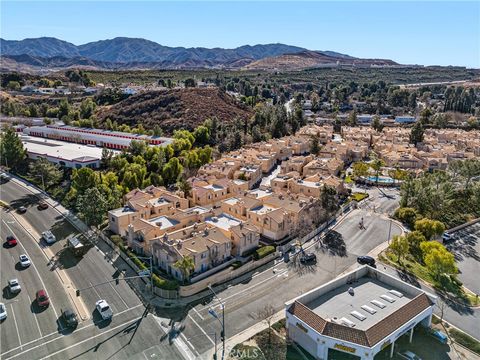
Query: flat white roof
pixel 223 221
pixel 166 222
pixel 260 193
pixel 60 149
pixel 263 209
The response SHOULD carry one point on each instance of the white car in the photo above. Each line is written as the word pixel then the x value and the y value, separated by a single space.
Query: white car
pixel 104 309
pixel 409 355
pixel 3 312
pixel 14 286
pixel 24 261
pixel 49 237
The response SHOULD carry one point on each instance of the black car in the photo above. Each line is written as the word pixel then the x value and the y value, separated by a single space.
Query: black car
pixel 69 318
pixel 22 210
pixel 308 258
pixel 366 260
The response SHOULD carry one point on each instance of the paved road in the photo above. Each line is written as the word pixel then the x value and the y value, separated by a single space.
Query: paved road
pixel 29 333
pixel 275 286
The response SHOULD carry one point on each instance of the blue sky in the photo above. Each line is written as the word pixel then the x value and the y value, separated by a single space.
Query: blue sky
pixel 429 33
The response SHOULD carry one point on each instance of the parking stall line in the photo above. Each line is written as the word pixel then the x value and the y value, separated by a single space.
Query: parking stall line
pixel 35 317
pixel 16 327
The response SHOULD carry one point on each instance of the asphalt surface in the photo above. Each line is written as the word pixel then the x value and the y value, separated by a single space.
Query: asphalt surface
pixel 466 249
pixel 33 333
pixel 274 286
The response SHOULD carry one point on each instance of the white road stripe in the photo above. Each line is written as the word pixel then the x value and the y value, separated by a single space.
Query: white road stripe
pixel 200 316
pixel 16 327
pixel 120 296
pixel 33 265
pixel 201 329
pixel 80 328
pixel 36 320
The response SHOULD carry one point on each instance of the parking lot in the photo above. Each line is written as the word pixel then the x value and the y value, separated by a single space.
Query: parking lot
pixel 466 248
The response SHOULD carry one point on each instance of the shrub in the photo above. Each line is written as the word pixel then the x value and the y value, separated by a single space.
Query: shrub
pixel 237 264
pixel 263 251
pixel 358 196
pixel 456 280
pixel 407 215
pixel 465 340
pixel 116 239
pixel 164 283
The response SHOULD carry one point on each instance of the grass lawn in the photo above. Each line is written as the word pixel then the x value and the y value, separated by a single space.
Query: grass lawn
pixel 447 285
pixel 348 179
pixel 465 340
pixel 358 196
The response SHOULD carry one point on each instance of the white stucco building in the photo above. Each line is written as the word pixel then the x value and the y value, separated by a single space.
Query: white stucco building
pixel 359 313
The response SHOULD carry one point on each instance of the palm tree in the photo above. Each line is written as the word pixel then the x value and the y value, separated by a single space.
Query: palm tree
pixel 184 186
pixel 377 165
pixel 186 265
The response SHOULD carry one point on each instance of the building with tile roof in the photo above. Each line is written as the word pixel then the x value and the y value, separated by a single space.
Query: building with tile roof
pixel 359 313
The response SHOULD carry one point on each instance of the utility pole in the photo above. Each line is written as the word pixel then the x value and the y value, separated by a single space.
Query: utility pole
pixel 222 322
pixel 389 231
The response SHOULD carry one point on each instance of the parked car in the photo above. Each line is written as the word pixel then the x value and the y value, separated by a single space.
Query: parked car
pixel 308 258
pixel 104 309
pixel 49 237
pixel 69 318
pixel 366 260
pixel 409 355
pixel 440 336
pixel 3 312
pixel 42 298
pixel 11 241
pixel 447 237
pixel 22 210
pixel 24 261
pixel 42 205
pixel 14 286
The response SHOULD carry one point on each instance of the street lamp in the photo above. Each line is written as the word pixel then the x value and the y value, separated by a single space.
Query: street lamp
pixel 151 268
pixel 222 322
pixel 43 182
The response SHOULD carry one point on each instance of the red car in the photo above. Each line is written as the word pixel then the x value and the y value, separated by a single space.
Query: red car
pixel 11 241
pixel 42 298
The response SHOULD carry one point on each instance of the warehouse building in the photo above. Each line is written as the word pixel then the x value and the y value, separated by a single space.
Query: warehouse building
pixel 97 137
pixel 359 314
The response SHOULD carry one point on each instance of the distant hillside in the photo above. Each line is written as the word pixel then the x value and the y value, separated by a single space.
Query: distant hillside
pixel 123 53
pixel 311 59
pixel 175 109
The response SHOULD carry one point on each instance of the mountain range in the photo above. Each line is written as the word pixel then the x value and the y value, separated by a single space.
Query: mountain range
pixel 134 53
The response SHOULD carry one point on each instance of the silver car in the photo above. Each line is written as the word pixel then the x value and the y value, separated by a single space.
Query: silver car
pixel 49 237
pixel 3 312
pixel 14 286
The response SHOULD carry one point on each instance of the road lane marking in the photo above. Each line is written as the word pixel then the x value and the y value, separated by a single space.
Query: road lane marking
pixel 121 298
pixel 33 265
pixel 201 329
pixel 16 327
pixel 200 316
pixel 36 320
pixel 60 335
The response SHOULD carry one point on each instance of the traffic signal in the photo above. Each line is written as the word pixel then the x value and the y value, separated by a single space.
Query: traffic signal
pixel 222 335
pixel 78 292
pixel 117 281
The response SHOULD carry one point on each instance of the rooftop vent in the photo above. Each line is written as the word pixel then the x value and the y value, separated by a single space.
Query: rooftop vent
pixel 214 219
pixel 378 304
pixel 396 293
pixel 368 309
pixel 388 298
pixel 346 322
pixel 358 315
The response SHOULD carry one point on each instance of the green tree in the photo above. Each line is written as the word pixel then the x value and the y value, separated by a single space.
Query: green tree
pixel 352 118
pixel 328 199
pixel 63 108
pixel 399 246
pixel 171 171
pixel 45 173
pixel 186 265
pixel 157 130
pixel 137 147
pixel 12 153
pixel 407 215
pixel 107 156
pixel 189 82
pixel 429 228
pixel 377 123
pixel 377 165
pixel 201 135
pixel 184 186
pixel 415 240
pixel 314 145
pixel 84 179
pixel 87 108
pixel 417 133
pixel 437 259
pixel 92 206
pixel 13 85
pixel 360 169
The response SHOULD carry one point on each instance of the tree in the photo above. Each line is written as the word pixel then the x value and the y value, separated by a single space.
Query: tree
pixel 137 147
pixel 314 145
pixel 328 199
pixel 399 247
pixel 87 108
pixel 437 259
pixel 13 85
pixel 201 135
pixel 415 240
pixel 63 108
pixel 189 82
pixel 157 130
pixel 266 314
pixel 377 123
pixel 429 228
pixel 84 179
pixel 417 133
pixel 186 265
pixel 352 118
pixel 107 156
pixel 92 206
pixel 360 169
pixel 184 186
pixel 171 171
pixel 45 172
pixel 12 153
pixel 407 215
pixel 377 165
